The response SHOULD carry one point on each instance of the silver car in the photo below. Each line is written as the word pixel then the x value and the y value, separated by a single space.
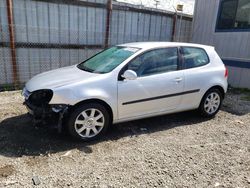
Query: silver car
pixel 128 82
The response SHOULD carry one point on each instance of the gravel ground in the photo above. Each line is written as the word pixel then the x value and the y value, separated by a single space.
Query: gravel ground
pixel 181 150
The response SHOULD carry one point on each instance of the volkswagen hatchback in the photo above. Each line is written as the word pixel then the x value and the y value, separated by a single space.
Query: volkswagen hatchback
pixel 128 82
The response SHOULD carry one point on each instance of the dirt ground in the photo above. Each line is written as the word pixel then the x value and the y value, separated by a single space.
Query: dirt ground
pixel 181 150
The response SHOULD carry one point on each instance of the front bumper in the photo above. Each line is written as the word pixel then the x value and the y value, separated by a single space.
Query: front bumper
pixel 48 114
pixel 38 112
pixel 45 111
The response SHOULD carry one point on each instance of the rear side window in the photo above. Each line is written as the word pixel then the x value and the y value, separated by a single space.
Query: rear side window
pixel 194 57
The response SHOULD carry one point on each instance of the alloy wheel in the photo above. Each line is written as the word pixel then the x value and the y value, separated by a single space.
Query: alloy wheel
pixel 212 103
pixel 89 123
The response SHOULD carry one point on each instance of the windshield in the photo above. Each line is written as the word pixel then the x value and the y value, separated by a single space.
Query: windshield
pixel 107 60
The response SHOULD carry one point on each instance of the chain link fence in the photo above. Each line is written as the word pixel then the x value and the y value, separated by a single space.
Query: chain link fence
pixel 40 35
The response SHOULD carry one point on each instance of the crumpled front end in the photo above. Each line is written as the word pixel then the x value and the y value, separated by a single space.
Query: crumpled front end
pixel 37 104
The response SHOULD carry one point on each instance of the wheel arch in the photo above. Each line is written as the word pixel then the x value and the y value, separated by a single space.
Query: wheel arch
pixel 99 101
pixel 220 88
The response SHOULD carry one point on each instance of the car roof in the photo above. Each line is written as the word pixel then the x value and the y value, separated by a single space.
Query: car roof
pixel 151 45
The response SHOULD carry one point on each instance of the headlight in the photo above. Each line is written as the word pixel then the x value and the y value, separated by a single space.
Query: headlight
pixel 41 97
pixel 25 93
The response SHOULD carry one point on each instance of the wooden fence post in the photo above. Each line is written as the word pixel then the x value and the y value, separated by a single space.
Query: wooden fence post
pixel 174 27
pixel 12 41
pixel 109 12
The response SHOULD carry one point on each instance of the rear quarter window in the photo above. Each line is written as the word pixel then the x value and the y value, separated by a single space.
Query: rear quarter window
pixel 194 57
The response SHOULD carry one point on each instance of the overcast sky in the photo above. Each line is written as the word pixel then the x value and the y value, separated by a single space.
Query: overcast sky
pixel 165 4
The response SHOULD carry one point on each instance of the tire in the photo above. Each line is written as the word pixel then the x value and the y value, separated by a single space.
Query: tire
pixel 88 122
pixel 211 103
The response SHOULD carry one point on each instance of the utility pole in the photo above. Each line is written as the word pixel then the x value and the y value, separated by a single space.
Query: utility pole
pixel 157 2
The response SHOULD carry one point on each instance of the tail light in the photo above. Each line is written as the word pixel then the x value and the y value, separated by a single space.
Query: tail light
pixel 226 72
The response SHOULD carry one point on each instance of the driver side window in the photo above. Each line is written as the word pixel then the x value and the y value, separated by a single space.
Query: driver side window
pixel 155 62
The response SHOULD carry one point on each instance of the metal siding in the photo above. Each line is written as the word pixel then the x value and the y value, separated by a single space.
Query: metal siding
pixel 168 25
pixel 23 64
pixel 43 22
pixel 82 25
pixel 204 13
pixel 100 29
pixel 44 59
pixel 163 28
pixel 189 31
pixel 4 34
pixel 64 23
pixel 3 75
pixel 212 20
pixel 127 35
pixel 234 78
pixel 121 27
pixel 53 23
pixel 104 18
pixel 58 23
pixel 64 57
pixel 134 22
pixel 8 66
pixel 20 20
pixel 55 59
pixel 74 57
pixel 91 25
pixel 140 27
pixel 197 28
pixel 83 55
pixel 145 27
pixel 2 68
pixel 73 24
pixel 114 28
pixel 157 28
pixel 237 43
pixel 245 77
pixel 183 28
pixel 229 45
pixel 152 28
pixel 32 24
pixel 184 31
pixel 34 61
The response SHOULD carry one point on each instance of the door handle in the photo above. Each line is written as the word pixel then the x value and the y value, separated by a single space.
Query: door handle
pixel 178 79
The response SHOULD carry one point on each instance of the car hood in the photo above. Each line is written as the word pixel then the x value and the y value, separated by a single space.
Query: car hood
pixel 57 78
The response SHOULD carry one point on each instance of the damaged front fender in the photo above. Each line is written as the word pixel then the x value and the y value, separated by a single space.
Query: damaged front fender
pixel 48 113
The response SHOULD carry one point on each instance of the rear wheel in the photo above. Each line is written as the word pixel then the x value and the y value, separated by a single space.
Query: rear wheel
pixel 88 122
pixel 211 103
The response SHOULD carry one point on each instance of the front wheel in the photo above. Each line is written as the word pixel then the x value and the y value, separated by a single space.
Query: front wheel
pixel 88 122
pixel 211 103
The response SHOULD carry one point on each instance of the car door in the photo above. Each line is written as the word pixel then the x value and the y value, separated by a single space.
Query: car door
pixel 158 85
pixel 197 72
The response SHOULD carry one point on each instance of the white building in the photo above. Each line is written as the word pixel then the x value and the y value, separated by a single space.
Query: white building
pixel 225 24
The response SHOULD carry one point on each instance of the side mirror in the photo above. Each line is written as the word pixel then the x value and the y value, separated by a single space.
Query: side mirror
pixel 129 75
